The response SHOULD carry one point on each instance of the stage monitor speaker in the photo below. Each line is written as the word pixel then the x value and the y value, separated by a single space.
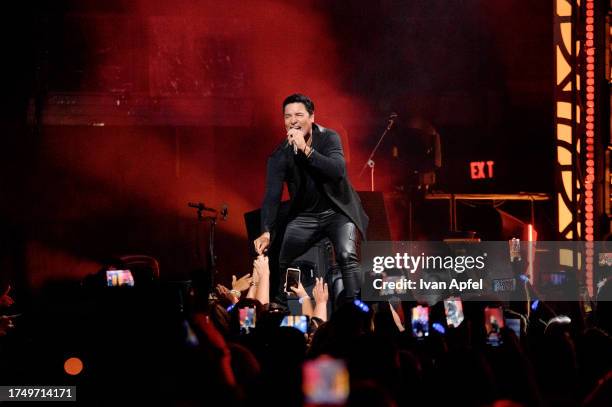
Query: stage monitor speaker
pixel 374 206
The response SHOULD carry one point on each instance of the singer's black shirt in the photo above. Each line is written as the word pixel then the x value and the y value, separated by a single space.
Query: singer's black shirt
pixel 310 198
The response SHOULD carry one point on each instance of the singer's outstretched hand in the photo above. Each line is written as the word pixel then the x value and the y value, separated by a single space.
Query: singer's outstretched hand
pixel 262 243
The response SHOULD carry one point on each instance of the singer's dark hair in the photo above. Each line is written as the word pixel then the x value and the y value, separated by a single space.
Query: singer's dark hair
pixel 299 98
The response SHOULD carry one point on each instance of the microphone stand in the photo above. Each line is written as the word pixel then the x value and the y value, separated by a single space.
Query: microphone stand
pixel 370 162
pixel 211 261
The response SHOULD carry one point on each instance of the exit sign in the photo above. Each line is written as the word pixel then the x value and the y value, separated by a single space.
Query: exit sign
pixel 482 169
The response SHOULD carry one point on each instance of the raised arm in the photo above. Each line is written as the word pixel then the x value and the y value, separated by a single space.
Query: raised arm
pixel 321 295
pixel 304 299
pixel 260 286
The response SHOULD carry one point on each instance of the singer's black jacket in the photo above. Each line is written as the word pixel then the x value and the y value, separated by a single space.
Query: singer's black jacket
pixel 328 161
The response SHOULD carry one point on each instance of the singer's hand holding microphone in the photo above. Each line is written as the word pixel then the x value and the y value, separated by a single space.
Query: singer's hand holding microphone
pixel 295 138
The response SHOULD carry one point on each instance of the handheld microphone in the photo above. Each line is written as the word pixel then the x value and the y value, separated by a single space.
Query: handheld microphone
pixel 295 149
pixel 288 144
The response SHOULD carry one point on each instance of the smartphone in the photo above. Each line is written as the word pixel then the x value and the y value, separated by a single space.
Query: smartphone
pixel 605 259
pixel 557 279
pixel 453 308
pixel 494 322
pixel 325 381
pixel 420 321
pixel 515 325
pixel 292 279
pixel 299 322
pixel 515 249
pixel 396 280
pixel 247 318
pixel 118 278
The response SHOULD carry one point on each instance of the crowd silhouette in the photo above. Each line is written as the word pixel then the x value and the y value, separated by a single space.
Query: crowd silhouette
pixel 140 344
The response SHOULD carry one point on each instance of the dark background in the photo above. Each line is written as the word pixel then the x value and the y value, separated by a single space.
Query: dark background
pixel 116 114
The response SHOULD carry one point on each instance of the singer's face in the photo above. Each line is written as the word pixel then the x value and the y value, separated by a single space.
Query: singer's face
pixel 297 117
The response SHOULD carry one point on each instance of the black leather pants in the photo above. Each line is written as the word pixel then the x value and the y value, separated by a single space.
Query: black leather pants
pixel 308 228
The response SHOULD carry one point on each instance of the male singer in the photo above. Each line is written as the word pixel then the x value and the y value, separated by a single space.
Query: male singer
pixel 323 203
